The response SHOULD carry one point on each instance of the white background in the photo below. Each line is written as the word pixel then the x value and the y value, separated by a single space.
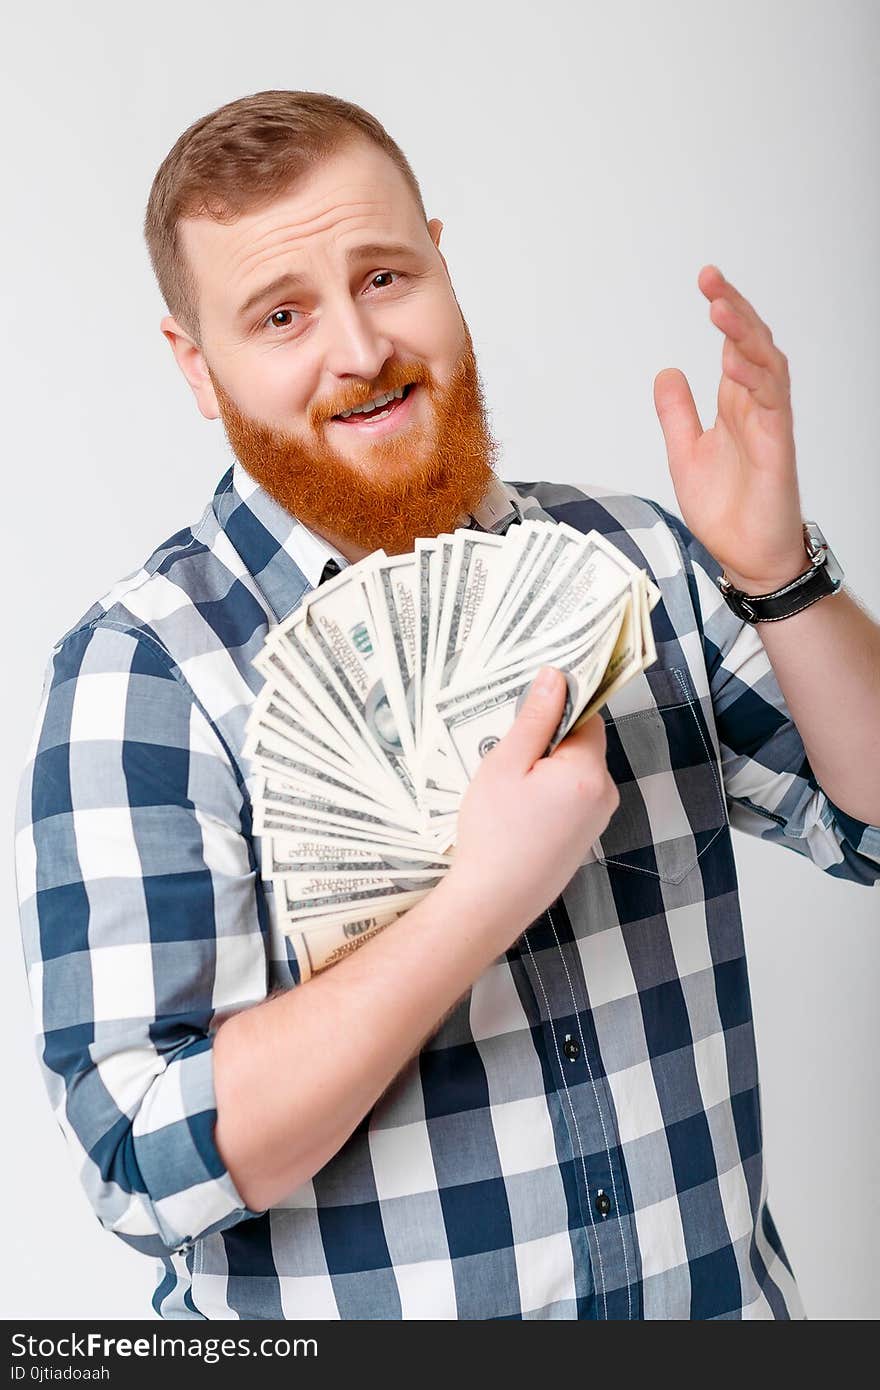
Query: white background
pixel 586 161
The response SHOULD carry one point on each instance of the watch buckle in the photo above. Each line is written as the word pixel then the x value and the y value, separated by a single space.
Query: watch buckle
pixel 814 547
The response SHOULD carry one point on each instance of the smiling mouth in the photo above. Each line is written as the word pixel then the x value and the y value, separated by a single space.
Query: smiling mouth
pixel 381 412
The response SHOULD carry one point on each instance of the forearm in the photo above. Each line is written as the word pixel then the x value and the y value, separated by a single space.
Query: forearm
pixel 827 662
pixel 296 1074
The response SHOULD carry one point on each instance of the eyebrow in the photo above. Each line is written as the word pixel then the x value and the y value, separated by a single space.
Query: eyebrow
pixel 290 281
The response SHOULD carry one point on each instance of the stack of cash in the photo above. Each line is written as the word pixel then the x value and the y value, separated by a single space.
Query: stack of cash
pixel 390 683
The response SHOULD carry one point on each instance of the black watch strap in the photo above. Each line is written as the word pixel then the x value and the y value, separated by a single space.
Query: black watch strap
pixel 813 584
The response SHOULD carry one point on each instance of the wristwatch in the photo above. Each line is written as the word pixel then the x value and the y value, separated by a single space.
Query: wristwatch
pixel 823 576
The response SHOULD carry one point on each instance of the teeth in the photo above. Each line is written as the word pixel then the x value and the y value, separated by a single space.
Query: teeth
pixel 374 404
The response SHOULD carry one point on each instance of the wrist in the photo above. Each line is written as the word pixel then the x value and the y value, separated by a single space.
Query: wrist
pixel 799 581
pixel 791 569
pixel 482 910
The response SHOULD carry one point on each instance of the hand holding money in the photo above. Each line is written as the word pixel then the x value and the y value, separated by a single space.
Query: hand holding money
pixel 525 818
pixel 386 690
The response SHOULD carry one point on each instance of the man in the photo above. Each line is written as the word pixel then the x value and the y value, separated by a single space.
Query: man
pixel 534 1095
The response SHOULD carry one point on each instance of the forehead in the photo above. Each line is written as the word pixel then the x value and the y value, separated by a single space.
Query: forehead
pixel 355 193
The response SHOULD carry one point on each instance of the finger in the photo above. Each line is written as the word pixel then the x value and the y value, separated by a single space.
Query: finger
pixel 590 735
pixel 774 389
pixel 677 413
pixel 527 739
pixel 735 365
pixel 737 317
pixel 753 341
pixel 768 388
pixel 715 286
pixel 746 311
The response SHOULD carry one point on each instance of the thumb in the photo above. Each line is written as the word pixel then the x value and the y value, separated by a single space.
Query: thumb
pixel 535 725
pixel 679 421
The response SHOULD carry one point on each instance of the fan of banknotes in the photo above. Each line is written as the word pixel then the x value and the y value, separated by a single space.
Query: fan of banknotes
pixel 390 683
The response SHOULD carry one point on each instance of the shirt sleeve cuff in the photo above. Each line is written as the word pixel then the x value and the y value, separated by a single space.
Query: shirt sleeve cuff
pixel 863 838
pixel 189 1187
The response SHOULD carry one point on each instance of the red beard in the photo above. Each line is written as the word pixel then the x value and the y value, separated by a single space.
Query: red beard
pixel 420 482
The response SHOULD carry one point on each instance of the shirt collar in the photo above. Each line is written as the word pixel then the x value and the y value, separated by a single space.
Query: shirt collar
pixel 287 558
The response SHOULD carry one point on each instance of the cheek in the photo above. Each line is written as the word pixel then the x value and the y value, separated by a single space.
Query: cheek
pixel 277 393
pixel 433 327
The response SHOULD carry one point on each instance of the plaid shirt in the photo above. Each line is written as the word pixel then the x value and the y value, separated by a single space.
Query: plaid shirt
pixel 582 1137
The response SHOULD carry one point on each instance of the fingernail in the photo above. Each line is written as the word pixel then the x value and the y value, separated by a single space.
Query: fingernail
pixel 544 680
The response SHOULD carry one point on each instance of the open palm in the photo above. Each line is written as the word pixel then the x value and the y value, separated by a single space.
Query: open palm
pixel 736 483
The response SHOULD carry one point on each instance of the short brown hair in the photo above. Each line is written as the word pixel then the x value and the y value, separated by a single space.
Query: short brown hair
pixel 239 158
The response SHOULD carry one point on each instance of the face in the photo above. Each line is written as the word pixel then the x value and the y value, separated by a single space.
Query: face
pixel 329 297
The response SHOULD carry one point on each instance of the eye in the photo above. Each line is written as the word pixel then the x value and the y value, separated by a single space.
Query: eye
pixel 274 315
pixel 379 274
pixel 277 312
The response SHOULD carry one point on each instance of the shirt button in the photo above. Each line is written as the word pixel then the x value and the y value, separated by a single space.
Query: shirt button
pixel 571 1047
pixel 603 1203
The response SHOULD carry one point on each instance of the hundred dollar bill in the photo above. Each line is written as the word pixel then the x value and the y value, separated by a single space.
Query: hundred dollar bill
pixel 439 570
pixel 290 853
pixel 287 672
pixel 592 630
pixel 515 562
pixel 266 750
pixel 423 553
pixel 320 947
pixel 314 898
pixel 576 572
pixel 277 799
pixel 273 712
pixel 321 887
pixel 634 652
pixel 469 586
pixel 536 625
pixel 391 584
pixel 551 561
pixel 340 627
pixel 306 656
pixel 267 819
pixel 474 729
pixel 536 540
pixel 588 573
pixel 548 648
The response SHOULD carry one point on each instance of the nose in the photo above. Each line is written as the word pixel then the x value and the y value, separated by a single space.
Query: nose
pixel 353 345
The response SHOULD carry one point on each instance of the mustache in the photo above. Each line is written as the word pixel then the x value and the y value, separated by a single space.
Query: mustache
pixel 391 381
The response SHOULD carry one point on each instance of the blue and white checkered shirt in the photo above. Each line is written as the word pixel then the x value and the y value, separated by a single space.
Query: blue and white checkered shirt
pixel 582 1136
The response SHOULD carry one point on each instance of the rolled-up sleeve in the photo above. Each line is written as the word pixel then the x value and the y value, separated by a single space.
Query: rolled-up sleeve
pixel 770 787
pixel 141 930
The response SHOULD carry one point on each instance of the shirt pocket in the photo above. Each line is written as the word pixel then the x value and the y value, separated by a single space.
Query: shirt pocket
pixel 662 759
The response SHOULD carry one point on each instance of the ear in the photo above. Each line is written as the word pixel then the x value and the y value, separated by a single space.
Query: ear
pixel 192 363
pixel 435 227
